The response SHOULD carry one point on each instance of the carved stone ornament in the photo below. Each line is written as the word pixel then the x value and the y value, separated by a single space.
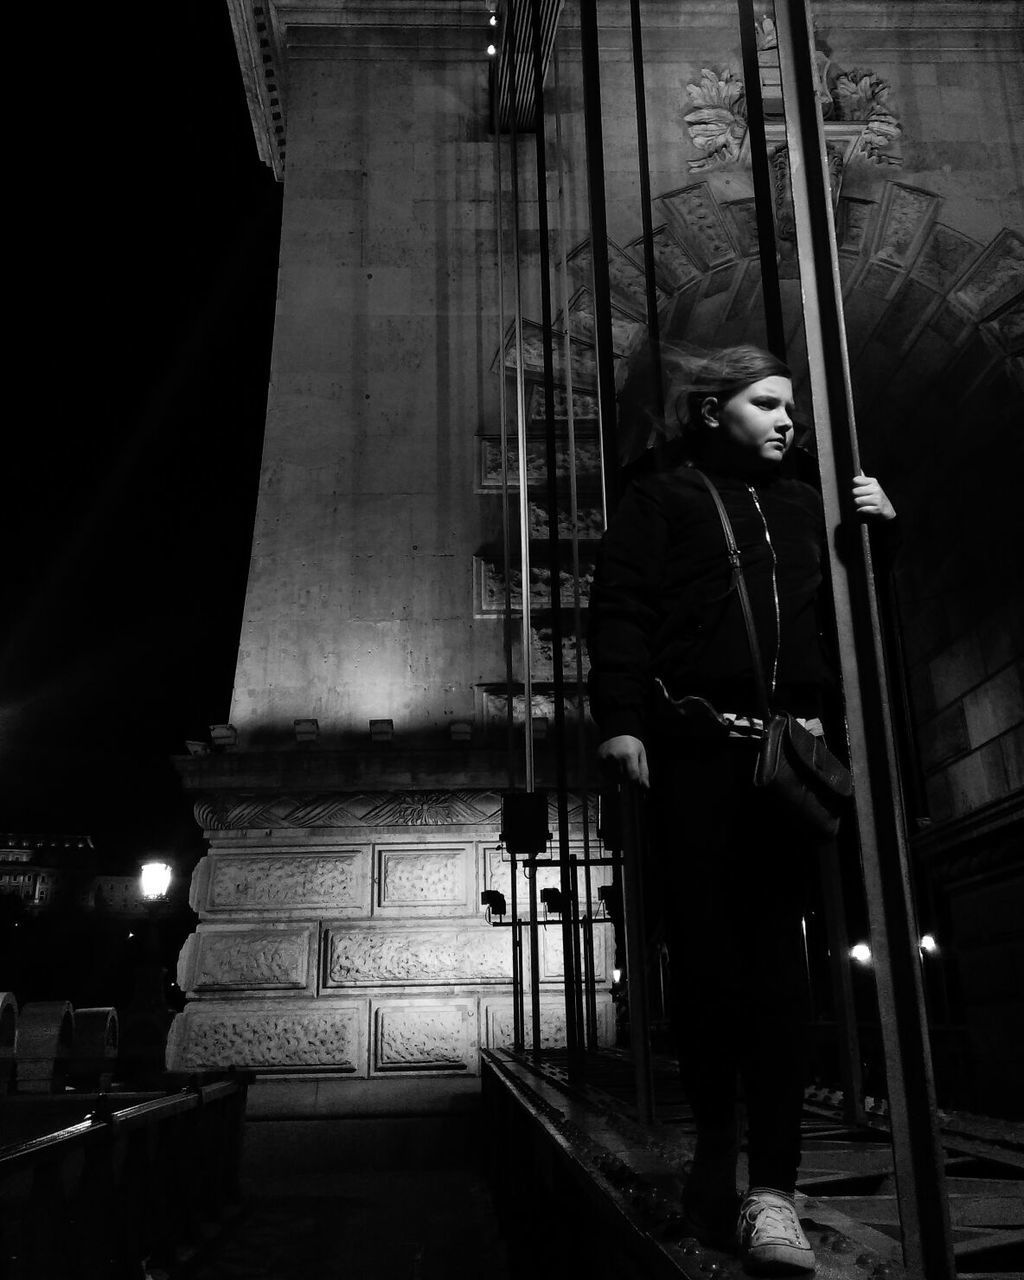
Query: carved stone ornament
pixel 221 1035
pixel 252 958
pixel 240 882
pixel 424 1036
pixel 369 957
pixel 366 809
pixel 717 121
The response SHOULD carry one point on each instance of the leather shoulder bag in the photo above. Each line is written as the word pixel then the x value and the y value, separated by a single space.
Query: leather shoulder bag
pixel 795 769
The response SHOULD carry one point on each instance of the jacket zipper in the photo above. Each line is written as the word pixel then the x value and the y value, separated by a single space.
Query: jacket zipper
pixel 775 594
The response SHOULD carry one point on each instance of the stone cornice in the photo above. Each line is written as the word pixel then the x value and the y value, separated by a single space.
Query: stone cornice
pixel 269 32
pixel 323 771
pixel 261 61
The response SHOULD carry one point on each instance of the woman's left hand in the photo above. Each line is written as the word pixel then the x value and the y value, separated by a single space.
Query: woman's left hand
pixel 870 500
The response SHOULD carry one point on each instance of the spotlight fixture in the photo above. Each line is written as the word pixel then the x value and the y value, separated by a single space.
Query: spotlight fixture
pixel 524 821
pixel 552 899
pixel 861 952
pixel 928 943
pixel 306 730
pixel 382 730
pixel 609 897
pixel 223 735
pixel 494 902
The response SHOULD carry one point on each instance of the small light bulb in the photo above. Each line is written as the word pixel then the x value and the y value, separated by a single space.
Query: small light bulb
pixel 494 19
pixel 616 975
pixel 928 943
pixel 861 952
pixel 491 51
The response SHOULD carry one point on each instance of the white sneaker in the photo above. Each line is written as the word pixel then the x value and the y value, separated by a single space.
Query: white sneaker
pixel 769 1233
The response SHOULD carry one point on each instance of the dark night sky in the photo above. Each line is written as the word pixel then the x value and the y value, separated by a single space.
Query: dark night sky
pixel 147 264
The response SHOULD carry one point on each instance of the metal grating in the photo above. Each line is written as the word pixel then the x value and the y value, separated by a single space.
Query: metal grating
pixel 515 80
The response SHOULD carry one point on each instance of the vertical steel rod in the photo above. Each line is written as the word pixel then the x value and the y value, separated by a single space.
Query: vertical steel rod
pixel 582 742
pixel 631 838
pixel 531 872
pixel 554 548
pixel 517 957
pixel 644 171
pixel 524 496
pixel 506 515
pixel 767 249
pixel 917 1154
pixel 606 402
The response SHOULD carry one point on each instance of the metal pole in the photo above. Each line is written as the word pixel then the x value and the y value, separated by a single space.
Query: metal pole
pixel 524 496
pixel 531 872
pixel 554 552
pixel 644 168
pixel 917 1154
pixel 764 214
pixel 584 1022
pixel 632 840
pixel 606 403
pixel 506 515
pixel 517 958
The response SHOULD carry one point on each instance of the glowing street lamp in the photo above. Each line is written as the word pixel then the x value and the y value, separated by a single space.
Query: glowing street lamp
pixel 155 880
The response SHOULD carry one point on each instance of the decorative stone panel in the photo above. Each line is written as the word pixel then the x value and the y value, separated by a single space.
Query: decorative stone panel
pixel 325 1035
pixel 424 1035
pixel 496 1020
pixel 283 883
pixel 698 224
pixel 382 957
pixel 552 951
pixel 223 957
pixel 436 880
pixel 995 279
pixel 905 220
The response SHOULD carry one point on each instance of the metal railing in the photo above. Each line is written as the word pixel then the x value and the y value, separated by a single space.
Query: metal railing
pixel 145 1184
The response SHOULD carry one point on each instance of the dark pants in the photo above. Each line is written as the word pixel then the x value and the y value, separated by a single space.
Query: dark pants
pixel 729 876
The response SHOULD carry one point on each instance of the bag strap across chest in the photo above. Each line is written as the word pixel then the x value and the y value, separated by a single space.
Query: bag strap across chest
pixel 739 583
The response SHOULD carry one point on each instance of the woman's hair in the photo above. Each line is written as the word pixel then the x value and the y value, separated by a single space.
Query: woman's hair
pixel 689 375
pixel 721 374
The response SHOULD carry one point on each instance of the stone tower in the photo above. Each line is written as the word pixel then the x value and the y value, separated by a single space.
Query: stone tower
pixel 352 806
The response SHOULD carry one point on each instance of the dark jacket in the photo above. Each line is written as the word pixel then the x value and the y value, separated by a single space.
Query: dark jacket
pixel 661 604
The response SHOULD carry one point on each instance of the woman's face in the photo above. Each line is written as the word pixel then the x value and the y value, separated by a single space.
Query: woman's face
pixel 756 423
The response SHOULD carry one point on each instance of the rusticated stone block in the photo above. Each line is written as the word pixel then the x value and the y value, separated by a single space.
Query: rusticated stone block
pixel 377 957
pixel 323 1034
pixel 422 1035
pixel 221 957
pixel 283 882
pixel 497 1022
pixel 424 879
pixel 552 951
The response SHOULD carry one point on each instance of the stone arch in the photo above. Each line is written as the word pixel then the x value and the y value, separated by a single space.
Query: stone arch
pixel 935 325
